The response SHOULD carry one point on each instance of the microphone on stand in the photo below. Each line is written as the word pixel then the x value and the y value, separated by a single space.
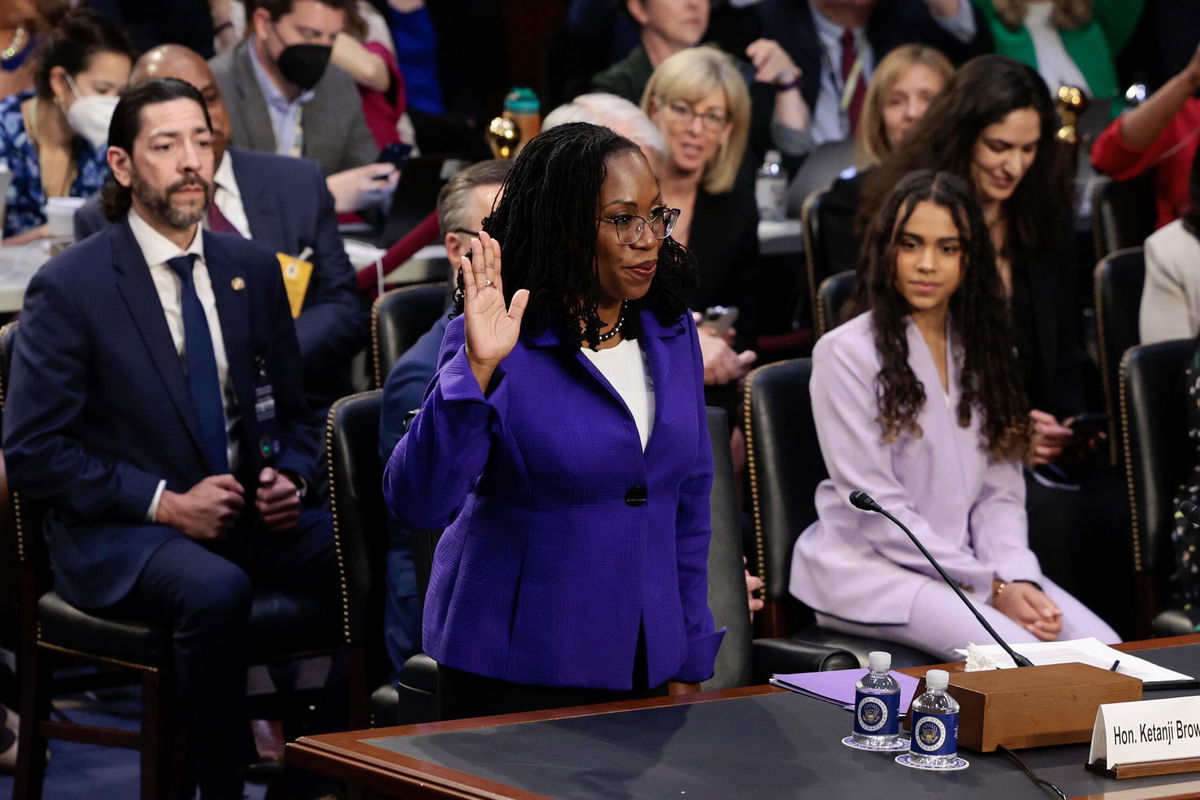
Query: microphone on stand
pixel 865 502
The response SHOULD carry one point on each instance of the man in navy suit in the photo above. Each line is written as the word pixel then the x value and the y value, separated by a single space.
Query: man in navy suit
pixel 283 204
pixel 839 42
pixel 153 408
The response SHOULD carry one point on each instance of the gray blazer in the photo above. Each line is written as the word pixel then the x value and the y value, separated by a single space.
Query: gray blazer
pixel 335 134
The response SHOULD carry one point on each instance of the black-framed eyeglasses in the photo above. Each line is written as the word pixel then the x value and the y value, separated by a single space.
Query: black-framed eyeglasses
pixel 466 232
pixel 682 113
pixel 630 227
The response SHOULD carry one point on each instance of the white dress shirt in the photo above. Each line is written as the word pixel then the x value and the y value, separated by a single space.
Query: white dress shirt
pixel 157 249
pixel 228 196
pixel 624 367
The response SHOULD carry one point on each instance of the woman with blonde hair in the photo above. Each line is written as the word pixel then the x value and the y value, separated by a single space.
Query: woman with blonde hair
pixel 901 89
pixel 699 101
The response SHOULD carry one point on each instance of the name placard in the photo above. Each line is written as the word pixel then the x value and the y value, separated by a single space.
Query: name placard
pixel 1146 731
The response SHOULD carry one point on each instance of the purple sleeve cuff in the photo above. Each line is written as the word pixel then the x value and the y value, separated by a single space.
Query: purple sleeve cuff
pixel 701 657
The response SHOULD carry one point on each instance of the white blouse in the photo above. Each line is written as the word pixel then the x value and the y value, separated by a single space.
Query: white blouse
pixel 624 367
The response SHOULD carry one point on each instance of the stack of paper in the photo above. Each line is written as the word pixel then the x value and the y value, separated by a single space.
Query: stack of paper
pixel 1084 651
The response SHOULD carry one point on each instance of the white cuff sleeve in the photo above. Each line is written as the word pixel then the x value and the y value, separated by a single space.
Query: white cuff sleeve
pixel 152 512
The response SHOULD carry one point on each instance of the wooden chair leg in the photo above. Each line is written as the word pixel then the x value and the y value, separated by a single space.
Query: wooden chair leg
pixel 34 678
pixel 160 767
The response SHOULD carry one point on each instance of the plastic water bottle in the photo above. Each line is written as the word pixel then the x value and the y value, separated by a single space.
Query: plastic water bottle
pixel 934 723
pixel 770 187
pixel 877 703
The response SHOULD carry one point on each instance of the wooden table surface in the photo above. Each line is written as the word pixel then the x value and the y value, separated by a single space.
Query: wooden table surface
pixel 348 757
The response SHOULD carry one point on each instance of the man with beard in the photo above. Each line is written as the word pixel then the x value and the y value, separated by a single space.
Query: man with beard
pixel 154 397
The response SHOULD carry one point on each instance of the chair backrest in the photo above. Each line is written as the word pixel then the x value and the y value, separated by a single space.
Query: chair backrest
pixel 1123 213
pixel 398 318
pixel 816 265
pixel 21 519
pixel 1158 456
pixel 785 465
pixel 832 294
pixel 1118 281
pixel 359 517
pixel 726 579
pixel 819 170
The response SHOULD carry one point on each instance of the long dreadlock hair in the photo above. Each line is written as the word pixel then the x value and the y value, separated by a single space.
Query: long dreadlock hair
pixel 991 381
pixel 546 224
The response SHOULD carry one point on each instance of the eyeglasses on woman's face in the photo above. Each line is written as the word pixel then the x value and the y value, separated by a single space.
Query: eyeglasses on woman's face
pixel 681 114
pixel 630 227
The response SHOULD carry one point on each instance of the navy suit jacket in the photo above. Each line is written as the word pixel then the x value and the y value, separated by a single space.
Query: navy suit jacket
pixel 289 208
pixel 98 410
pixel 893 23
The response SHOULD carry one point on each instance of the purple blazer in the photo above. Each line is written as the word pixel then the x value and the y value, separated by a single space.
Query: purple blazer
pixel 562 537
pixel 968 511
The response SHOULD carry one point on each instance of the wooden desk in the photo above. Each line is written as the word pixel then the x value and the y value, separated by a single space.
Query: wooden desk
pixel 818 771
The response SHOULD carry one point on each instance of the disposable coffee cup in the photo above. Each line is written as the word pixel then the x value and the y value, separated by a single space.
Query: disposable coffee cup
pixel 60 214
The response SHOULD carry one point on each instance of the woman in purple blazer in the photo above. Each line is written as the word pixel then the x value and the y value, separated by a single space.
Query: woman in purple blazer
pixel 919 403
pixel 563 446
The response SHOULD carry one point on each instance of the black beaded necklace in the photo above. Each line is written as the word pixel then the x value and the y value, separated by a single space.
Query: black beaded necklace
pixel 604 337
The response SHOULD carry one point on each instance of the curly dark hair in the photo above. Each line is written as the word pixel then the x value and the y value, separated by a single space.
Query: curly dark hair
pixel 979 321
pixel 546 225
pixel 981 93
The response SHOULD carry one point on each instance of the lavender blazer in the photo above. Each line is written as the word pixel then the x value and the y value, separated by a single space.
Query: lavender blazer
pixel 967 511
pixel 562 535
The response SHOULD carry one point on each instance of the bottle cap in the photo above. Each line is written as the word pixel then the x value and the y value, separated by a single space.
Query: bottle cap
pixel 521 100
pixel 937 679
pixel 879 661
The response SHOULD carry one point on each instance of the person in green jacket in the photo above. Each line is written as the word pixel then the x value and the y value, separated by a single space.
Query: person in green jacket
pixel 1069 42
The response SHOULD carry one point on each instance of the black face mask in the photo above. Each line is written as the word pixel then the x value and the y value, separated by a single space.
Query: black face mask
pixel 303 65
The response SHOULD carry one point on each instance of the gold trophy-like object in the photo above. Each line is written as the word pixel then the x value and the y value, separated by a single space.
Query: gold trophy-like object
pixel 1072 102
pixel 503 137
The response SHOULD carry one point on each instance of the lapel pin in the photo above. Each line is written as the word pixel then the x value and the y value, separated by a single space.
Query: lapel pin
pixel 237 284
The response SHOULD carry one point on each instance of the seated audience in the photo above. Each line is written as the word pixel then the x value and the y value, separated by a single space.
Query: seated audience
pixel 52 138
pixel 281 203
pixel 923 389
pixel 284 98
pixel 366 53
pixel 900 91
pixel 22 22
pixel 781 119
pixel 1069 42
pixel 1161 135
pixel 134 414
pixel 534 442
pixel 463 204
pixel 700 103
pixel 838 44
pixel 1170 307
pixel 993 126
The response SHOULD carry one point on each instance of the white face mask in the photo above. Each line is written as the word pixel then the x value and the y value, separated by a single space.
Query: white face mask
pixel 90 115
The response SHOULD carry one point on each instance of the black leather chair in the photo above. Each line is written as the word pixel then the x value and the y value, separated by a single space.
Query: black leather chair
pixel 1118 282
pixel 284 625
pixel 1158 457
pixel 832 294
pixel 785 465
pixel 819 170
pixel 398 318
pixel 1123 213
pixel 816 265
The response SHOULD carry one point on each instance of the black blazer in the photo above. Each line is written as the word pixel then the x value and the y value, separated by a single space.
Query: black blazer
pixel 724 239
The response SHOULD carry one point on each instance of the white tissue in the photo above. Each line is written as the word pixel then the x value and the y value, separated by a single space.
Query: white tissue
pixel 977 661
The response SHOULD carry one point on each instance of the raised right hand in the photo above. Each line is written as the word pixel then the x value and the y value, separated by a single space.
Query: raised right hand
pixel 206 511
pixel 491 329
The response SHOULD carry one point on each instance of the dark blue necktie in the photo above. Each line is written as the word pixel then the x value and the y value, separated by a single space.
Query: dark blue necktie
pixel 201 368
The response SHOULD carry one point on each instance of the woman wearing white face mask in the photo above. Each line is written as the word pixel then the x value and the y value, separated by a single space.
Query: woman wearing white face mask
pixel 53 137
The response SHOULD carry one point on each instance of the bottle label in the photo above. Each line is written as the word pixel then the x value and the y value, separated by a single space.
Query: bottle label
pixel 935 734
pixel 877 714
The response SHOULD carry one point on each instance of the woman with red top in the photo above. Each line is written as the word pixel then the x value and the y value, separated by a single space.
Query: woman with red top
pixel 1161 135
